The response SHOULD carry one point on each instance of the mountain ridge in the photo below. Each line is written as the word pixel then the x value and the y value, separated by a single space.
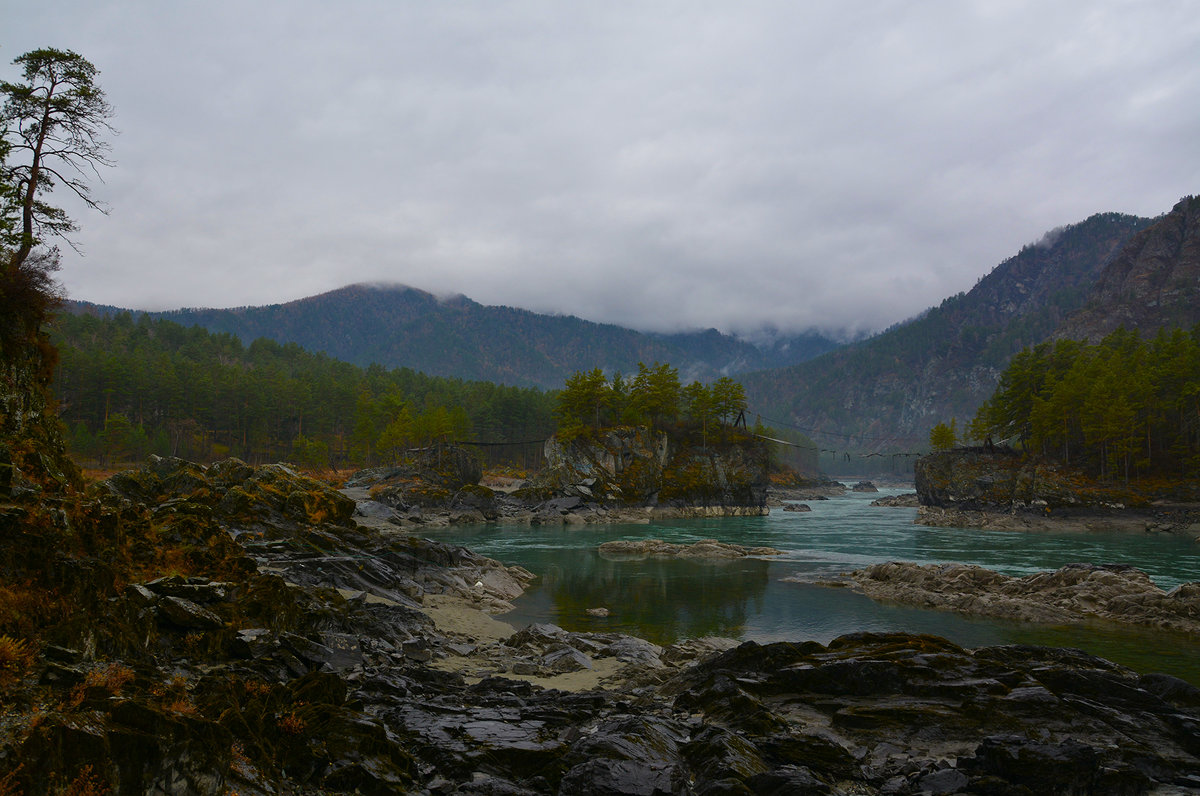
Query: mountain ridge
pixel 402 326
pixel 886 392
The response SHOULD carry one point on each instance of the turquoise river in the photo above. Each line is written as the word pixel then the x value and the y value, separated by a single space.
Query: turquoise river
pixel 665 600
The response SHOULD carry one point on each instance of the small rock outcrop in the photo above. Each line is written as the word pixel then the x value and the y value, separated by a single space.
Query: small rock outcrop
pixel 1072 594
pixel 906 501
pixel 705 548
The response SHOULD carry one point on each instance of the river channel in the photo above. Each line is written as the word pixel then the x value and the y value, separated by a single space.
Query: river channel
pixel 759 599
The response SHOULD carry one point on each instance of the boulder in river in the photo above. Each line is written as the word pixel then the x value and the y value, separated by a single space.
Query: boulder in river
pixel 705 548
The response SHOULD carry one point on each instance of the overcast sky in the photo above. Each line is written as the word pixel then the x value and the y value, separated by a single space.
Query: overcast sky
pixel 661 165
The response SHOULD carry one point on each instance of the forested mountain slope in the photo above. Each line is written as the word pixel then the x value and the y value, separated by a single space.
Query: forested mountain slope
pixel 128 388
pixel 885 393
pixel 398 326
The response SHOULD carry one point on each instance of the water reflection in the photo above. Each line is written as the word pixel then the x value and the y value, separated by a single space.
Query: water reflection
pixel 658 599
pixel 665 600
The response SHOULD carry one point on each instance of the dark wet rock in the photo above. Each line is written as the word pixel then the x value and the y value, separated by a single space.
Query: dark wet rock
pixel 942 782
pixel 417 649
pixel 566 659
pixel 864 486
pixel 184 613
pixel 198 590
pixel 628 755
pixel 788 781
pixel 909 500
pixel 797 507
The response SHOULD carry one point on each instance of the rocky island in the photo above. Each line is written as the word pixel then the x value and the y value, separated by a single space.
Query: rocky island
pixel 1003 490
pixel 623 475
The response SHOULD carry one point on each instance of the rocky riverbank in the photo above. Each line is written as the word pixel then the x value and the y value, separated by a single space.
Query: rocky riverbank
pixel 183 629
pixel 1073 594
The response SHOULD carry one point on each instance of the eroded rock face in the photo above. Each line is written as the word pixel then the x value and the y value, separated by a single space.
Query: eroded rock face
pixel 628 475
pixel 33 456
pixel 1150 285
pixel 999 489
pixel 1071 594
pixel 973 479
pixel 638 466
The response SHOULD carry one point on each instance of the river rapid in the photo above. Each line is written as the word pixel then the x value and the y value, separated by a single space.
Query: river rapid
pixel 777 599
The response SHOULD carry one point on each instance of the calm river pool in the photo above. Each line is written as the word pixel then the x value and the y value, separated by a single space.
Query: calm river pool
pixel 752 599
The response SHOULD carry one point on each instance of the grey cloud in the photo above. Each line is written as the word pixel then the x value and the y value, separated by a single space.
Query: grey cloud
pixel 660 165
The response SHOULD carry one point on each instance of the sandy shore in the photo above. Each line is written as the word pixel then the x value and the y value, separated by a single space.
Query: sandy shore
pixel 458 618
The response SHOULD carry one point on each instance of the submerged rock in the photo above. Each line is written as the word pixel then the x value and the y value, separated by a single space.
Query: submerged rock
pixel 705 548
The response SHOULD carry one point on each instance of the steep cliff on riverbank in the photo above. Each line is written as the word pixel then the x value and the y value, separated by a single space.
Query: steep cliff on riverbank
pixel 1000 488
pixel 639 466
pixel 619 475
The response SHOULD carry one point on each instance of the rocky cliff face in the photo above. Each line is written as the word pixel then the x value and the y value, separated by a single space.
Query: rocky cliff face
pixel 643 467
pixel 975 479
pixel 1153 283
pixel 32 451
pixel 977 487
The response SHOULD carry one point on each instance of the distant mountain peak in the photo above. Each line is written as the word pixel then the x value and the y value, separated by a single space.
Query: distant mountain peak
pixel 889 390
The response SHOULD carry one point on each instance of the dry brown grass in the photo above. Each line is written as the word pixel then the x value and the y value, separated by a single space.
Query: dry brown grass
pixel 8 783
pixel 112 678
pixel 291 724
pixel 16 658
pixel 86 783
